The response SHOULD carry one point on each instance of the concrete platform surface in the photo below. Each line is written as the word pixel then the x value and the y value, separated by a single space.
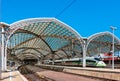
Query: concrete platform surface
pixel 96 69
pixel 58 76
pixel 13 76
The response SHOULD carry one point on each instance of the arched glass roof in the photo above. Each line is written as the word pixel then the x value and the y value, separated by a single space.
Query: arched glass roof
pixel 101 43
pixel 45 38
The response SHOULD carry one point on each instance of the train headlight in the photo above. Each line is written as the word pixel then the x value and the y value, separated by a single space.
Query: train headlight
pixel 101 63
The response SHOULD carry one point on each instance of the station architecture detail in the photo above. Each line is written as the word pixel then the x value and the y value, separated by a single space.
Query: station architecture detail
pixel 50 39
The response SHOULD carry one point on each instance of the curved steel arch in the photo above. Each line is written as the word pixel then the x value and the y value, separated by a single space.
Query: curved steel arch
pixel 30 55
pixel 22 51
pixel 90 38
pixel 24 23
pixel 104 42
pixel 27 53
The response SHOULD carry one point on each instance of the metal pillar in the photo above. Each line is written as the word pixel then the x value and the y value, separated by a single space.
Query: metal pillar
pixel 39 59
pixel 5 59
pixel 0 67
pixel 113 28
pixel 3 54
pixel 3 48
pixel 84 55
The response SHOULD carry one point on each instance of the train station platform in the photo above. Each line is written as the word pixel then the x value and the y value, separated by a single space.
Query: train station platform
pixel 103 73
pixel 50 75
pixel 95 72
pixel 13 76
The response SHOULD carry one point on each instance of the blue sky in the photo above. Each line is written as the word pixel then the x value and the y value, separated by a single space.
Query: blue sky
pixel 86 16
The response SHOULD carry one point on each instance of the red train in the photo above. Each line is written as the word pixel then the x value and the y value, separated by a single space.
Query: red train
pixel 107 58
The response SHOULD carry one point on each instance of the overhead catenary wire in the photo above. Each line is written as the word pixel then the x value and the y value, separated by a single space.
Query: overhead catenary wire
pixel 66 8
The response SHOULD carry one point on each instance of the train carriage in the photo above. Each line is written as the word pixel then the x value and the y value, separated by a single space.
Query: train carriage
pixel 90 61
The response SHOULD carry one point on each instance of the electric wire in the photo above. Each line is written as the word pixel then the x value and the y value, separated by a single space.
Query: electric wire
pixel 66 8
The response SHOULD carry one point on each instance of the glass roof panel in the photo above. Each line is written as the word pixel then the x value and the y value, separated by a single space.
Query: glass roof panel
pixel 101 44
pixel 48 36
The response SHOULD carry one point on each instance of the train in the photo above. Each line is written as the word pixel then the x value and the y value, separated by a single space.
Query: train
pixel 90 62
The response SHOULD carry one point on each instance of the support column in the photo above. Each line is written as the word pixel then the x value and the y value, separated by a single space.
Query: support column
pixel 3 48
pixel 39 61
pixel 84 55
pixel 0 63
pixel 5 60
pixel 3 54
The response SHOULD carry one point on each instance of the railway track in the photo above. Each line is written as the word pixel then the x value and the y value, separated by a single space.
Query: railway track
pixel 31 75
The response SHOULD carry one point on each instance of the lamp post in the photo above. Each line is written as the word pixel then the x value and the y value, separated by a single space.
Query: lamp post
pixel 113 28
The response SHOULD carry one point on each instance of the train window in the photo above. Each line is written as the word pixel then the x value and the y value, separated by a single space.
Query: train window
pixel 97 59
pixel 90 61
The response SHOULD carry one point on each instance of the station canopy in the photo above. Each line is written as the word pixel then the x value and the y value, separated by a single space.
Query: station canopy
pixel 101 43
pixel 43 38
pixel 51 39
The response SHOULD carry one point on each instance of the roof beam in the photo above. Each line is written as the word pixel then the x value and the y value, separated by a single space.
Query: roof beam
pixel 28 54
pixel 42 36
pixel 38 37
pixel 26 48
